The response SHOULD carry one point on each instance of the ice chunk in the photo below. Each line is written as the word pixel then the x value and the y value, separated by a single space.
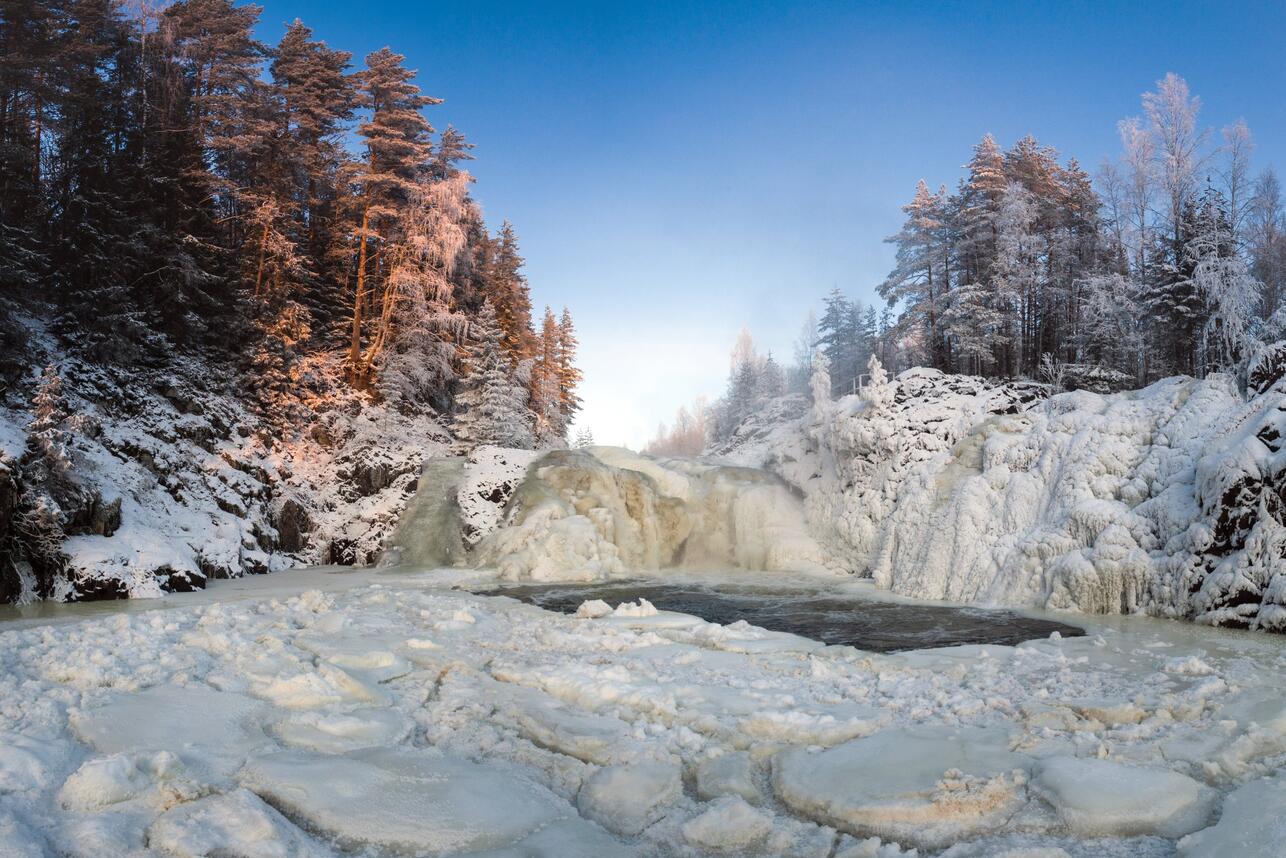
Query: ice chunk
pixel 728 825
pixel 402 799
pixel 1101 798
pixel 627 799
pixel 1252 824
pixel 238 823
pixel 641 608
pixel 729 774
pixel 220 725
pixel 337 732
pixel 161 778
pixel 593 609
pixel 927 786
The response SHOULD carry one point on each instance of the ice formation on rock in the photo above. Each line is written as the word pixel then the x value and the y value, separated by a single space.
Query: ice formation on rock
pixel 1168 500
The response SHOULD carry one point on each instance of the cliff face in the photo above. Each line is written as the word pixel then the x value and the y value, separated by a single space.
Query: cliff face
pixel 142 481
pixel 1166 500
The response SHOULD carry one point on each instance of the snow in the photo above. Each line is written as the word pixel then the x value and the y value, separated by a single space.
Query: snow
pixel 312 712
pixel 1155 501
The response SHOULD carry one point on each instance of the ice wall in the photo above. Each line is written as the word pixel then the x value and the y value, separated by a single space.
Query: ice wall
pixel 1168 500
pixel 606 512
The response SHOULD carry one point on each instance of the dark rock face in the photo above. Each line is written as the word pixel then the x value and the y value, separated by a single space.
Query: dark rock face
pixel 10 494
pixel 293 526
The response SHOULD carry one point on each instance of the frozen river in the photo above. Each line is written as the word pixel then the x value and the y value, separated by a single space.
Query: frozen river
pixel 390 712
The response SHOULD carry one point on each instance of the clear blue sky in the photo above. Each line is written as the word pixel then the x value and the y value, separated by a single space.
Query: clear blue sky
pixel 676 171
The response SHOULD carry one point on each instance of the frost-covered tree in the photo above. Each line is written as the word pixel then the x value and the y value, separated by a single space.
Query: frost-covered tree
pixel 47 433
pixel 584 438
pixel 820 382
pixel 772 382
pixel 492 403
pixel 921 280
pixel 877 393
pixel 414 337
pixel 397 140
pixel 1016 280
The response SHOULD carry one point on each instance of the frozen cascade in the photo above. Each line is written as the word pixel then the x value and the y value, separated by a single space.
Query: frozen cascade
pixel 604 512
pixel 428 533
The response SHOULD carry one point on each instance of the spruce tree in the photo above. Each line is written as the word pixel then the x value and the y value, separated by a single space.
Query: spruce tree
pixel 492 406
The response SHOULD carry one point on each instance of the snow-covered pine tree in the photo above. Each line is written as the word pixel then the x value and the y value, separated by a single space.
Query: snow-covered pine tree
pixel 921 279
pixel 46 434
pixel 1016 280
pixel 772 381
pixel 416 333
pixel 509 294
pixel 584 438
pixel 396 136
pixel 492 404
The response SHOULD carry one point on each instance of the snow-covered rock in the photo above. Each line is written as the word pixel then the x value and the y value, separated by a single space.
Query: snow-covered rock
pixel 1166 500
pixel 174 479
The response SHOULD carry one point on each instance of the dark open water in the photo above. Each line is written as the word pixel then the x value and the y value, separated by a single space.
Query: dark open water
pixel 826 617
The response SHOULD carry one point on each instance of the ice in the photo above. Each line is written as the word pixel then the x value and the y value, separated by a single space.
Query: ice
pixel 24 763
pixel 528 732
pixel 1252 824
pixel 339 731
pixel 17 840
pixel 597 514
pixel 237 824
pixel 220 726
pixel 160 778
pixel 1097 798
pixel 727 774
pixel 627 799
pixel 401 799
pixel 730 824
pixel 927 786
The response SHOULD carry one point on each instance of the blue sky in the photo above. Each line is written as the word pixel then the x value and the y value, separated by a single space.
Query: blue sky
pixel 676 171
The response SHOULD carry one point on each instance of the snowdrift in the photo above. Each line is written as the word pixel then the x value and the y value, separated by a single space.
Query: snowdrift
pixel 604 512
pixel 1166 500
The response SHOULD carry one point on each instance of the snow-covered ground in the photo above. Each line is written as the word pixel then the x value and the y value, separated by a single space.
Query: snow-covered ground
pixel 377 713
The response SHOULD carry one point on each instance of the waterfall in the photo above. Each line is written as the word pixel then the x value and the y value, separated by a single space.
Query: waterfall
pixel 428 533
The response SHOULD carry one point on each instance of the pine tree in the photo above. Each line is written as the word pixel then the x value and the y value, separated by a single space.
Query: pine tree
pixel 396 136
pixel 46 434
pixel 921 280
pixel 492 403
pixel 508 292
pixel 569 375
pixel 835 332
pixel 772 382
pixel 546 399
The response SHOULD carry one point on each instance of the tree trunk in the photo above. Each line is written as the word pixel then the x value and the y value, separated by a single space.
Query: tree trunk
pixel 356 376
